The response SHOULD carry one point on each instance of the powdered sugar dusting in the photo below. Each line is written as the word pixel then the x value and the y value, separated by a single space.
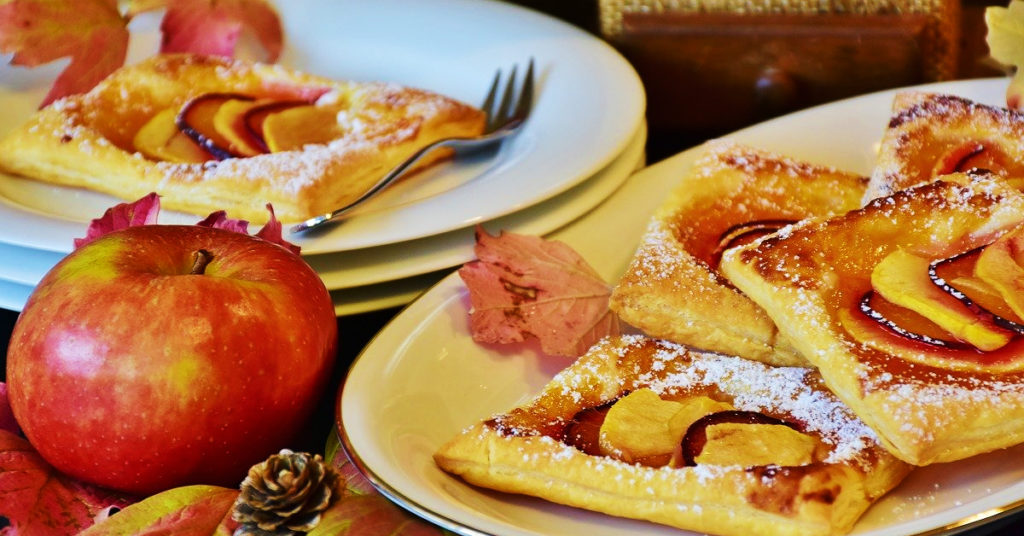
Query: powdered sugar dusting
pixel 790 392
pixel 762 388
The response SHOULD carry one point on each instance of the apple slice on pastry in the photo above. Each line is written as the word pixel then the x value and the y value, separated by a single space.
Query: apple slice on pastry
pixel 672 289
pixel 212 134
pixel 648 429
pixel 897 305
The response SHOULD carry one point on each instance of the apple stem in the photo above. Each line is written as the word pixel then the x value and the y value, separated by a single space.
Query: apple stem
pixel 199 261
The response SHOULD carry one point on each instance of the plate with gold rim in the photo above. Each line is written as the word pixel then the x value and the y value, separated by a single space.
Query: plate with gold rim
pixel 423 379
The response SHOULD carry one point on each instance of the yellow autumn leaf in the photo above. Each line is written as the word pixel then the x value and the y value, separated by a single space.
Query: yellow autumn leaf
pixel 1005 39
pixel 1005 36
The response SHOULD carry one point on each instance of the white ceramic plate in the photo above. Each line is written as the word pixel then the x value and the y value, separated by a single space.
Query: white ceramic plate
pixel 357 278
pixel 423 379
pixel 589 104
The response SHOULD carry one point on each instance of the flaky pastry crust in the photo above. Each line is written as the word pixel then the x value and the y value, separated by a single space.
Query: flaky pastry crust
pixel 672 289
pixel 924 411
pixel 86 140
pixel 521 451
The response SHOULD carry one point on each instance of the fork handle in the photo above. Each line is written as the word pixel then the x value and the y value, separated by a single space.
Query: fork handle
pixel 390 177
pixel 384 181
pixel 404 166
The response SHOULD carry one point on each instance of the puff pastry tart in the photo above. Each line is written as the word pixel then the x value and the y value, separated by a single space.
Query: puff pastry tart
pixel 648 429
pixel 210 133
pixel 932 134
pixel 672 289
pixel 911 308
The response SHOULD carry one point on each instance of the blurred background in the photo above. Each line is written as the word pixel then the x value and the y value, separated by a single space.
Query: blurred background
pixel 713 66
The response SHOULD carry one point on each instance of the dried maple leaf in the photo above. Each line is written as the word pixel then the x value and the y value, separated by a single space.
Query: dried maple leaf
pixel 524 285
pixel 214 26
pixel 93 33
pixel 36 499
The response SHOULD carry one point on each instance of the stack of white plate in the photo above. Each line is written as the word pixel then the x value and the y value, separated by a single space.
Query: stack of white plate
pixel 584 139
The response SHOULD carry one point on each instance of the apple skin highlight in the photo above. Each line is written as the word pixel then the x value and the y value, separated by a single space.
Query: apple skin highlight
pixel 127 371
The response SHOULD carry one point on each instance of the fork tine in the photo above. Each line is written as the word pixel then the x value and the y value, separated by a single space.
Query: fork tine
pixel 492 94
pixel 501 116
pixel 525 101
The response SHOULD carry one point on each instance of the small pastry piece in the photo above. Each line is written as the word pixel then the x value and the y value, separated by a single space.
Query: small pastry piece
pixel 825 466
pixel 119 138
pixel 933 134
pixel 672 288
pixel 894 305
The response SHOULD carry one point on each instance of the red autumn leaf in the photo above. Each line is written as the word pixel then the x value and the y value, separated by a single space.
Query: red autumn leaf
pixel 272 232
pixel 214 26
pixel 353 482
pixel 143 211
pixel 93 33
pixel 36 499
pixel 370 515
pixel 524 286
pixel 7 421
pixel 220 220
pixel 188 510
pixel 361 509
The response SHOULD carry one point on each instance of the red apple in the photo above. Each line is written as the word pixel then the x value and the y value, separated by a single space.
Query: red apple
pixel 164 355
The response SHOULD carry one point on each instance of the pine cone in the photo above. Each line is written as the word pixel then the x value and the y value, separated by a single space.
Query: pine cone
pixel 284 495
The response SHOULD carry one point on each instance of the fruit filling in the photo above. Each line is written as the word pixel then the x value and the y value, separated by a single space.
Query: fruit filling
pixel 746 438
pixel 744 233
pixel 970 155
pixel 967 307
pixel 218 126
pixel 903 278
pixel 643 428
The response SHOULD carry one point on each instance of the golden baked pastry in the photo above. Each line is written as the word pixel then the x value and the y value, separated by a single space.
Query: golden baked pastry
pixel 332 139
pixel 933 134
pixel 720 444
pixel 909 309
pixel 672 288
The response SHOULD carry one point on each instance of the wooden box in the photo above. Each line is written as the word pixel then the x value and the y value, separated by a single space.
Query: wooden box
pixel 715 66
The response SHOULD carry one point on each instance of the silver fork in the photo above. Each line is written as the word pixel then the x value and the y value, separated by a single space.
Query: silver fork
pixel 504 117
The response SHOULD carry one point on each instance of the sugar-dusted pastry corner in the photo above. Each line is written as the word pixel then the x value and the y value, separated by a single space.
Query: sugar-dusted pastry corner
pixel 910 309
pixel 650 430
pixel 673 289
pixel 934 134
pixel 211 133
